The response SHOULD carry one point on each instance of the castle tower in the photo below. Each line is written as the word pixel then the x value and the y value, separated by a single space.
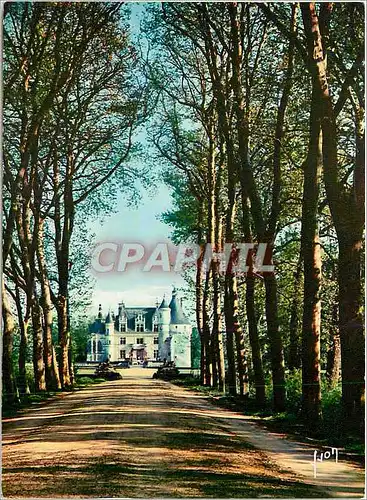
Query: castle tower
pixel 121 320
pixel 163 322
pixel 110 337
pixel 99 312
pixel 180 330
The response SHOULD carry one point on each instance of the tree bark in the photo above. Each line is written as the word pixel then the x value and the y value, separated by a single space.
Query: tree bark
pixel 228 313
pixel 351 329
pixel 199 312
pixel 249 187
pixel 52 377
pixel 38 360
pixel 64 342
pixel 242 366
pixel 334 353
pixel 347 209
pixel 311 251
pixel 276 343
pixel 206 333
pixel 295 349
pixel 217 329
pixel 255 342
pixel 23 322
pixel 251 310
pixel 10 389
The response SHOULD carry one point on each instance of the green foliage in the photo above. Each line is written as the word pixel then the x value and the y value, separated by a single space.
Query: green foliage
pixel 293 382
pixel 332 412
pixel 195 349
pixel 80 336
pixel 84 381
pixel 184 218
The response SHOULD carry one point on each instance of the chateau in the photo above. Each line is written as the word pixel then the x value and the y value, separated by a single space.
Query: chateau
pixel 142 334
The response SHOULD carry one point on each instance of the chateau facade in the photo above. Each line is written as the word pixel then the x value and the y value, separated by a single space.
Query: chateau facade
pixel 140 334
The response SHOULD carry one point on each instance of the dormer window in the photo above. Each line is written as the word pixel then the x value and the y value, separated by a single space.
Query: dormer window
pixel 123 323
pixel 155 323
pixel 139 323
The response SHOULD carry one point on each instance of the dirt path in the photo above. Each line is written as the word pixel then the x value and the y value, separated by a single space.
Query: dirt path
pixel 142 438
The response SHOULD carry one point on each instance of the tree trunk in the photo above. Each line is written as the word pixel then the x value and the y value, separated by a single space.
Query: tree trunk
pixel 206 334
pixel 52 378
pixel 23 322
pixel 199 313
pixel 22 378
pixel 351 329
pixel 347 209
pixel 334 353
pixel 310 247
pixel 255 342
pixel 231 372
pixel 38 354
pixel 276 342
pixel 10 389
pixel 251 310
pixel 228 285
pixel 233 325
pixel 55 368
pixel 294 358
pixel 217 328
pixel 239 57
pixel 64 342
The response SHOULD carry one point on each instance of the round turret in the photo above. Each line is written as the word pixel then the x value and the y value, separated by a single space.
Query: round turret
pixel 163 325
pixel 177 315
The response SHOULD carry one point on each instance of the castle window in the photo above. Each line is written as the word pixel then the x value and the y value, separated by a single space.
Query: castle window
pixel 122 354
pixel 155 328
pixel 155 355
pixel 139 323
pixel 123 327
pixel 122 340
pixel 155 340
pixel 140 340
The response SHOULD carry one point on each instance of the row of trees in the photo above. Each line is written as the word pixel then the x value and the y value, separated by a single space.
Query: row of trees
pixel 261 115
pixel 259 110
pixel 71 105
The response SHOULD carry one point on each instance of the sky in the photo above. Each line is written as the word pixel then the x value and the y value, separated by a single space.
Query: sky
pixel 129 225
pixel 141 225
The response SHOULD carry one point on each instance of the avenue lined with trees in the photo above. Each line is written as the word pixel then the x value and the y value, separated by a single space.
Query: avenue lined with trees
pixel 260 115
pixel 256 111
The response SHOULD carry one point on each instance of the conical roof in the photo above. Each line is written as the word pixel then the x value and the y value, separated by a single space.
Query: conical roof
pixel 109 317
pixel 99 311
pixel 177 315
pixel 164 303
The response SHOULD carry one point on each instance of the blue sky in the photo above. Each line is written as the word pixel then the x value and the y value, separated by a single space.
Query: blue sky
pixel 130 224
pixel 141 225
